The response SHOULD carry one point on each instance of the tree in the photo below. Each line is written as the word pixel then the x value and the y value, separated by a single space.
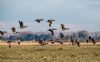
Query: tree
pixel 83 35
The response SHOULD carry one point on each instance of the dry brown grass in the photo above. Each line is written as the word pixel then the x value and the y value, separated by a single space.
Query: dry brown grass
pixel 56 53
pixel 49 43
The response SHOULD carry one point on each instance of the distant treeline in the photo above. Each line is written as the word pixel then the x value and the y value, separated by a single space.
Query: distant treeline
pixel 27 36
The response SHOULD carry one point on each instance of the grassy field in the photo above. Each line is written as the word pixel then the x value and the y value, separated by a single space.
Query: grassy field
pixel 50 54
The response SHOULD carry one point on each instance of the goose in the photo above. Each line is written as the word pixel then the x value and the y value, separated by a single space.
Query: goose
pixel 50 22
pixel 52 31
pixel 13 29
pixel 63 27
pixel 22 25
pixel 39 20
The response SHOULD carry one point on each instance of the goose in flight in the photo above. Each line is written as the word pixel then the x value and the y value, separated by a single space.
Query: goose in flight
pixel 39 20
pixel 52 31
pixel 62 35
pixel 50 22
pixel 63 27
pixel 92 39
pixel 13 29
pixel 2 32
pixel 22 25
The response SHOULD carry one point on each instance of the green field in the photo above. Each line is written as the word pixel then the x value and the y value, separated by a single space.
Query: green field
pixel 50 54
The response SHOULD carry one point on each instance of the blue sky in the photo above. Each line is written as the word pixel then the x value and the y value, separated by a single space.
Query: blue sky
pixel 75 14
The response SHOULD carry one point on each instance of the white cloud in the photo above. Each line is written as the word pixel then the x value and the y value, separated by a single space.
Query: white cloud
pixel 2 24
pixel 75 27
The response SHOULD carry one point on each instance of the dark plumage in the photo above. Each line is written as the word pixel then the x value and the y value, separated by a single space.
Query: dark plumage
pixel 52 41
pixel 42 42
pixel 62 35
pixel 9 42
pixel 92 39
pixel 18 39
pixel 2 32
pixel 87 41
pixel 39 20
pixel 13 29
pixel 72 40
pixel 52 31
pixel 61 42
pixel 63 27
pixel 50 22
pixel 78 43
pixel 22 25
